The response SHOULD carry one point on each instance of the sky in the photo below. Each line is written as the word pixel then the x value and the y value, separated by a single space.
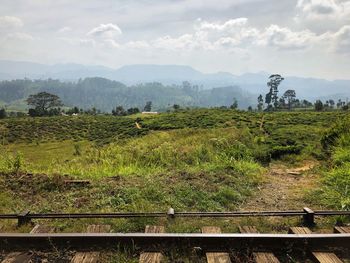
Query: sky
pixel 291 37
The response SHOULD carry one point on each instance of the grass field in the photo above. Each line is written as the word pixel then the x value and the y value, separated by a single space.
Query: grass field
pixel 198 160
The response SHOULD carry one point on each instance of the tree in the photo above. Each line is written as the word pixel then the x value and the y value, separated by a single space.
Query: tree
pixel 272 97
pixel 131 111
pixel 42 102
pixel 326 105
pixel 268 99
pixel 3 114
pixel 331 103
pixel 306 104
pixel 319 105
pixel 339 104
pixel 260 103
pixel 74 110
pixel 148 106
pixel 119 111
pixel 234 104
pixel 290 95
pixel 176 107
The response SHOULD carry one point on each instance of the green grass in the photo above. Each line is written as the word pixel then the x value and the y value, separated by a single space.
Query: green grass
pixel 334 191
pixel 100 129
pixel 206 160
pixel 188 169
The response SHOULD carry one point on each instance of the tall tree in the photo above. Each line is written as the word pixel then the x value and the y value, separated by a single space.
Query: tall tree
pixel 3 113
pixel 234 104
pixel 43 101
pixel 260 103
pixel 272 97
pixel 148 106
pixel 134 110
pixel 290 96
pixel 319 105
pixel 339 104
pixel 119 111
pixel 176 107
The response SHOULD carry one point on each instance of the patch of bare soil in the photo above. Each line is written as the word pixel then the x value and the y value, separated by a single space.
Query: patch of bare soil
pixel 284 188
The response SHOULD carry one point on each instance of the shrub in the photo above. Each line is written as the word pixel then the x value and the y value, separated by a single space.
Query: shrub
pixel 279 151
pixel 330 138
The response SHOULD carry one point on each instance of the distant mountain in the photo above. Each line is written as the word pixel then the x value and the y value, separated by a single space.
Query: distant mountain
pixel 254 83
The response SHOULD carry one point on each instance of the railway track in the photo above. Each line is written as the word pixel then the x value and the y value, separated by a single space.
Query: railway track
pixel 154 245
pixel 307 214
pixel 211 245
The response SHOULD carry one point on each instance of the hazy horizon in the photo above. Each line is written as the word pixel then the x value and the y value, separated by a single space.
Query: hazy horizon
pixel 177 65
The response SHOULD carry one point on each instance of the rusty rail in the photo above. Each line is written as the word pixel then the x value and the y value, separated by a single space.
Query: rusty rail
pixel 307 214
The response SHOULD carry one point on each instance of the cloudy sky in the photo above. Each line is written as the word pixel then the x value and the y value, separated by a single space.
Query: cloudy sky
pixel 291 37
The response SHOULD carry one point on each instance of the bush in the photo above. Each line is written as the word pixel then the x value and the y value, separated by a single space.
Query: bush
pixel 262 155
pixel 12 163
pixel 330 138
pixel 279 151
pixel 3 114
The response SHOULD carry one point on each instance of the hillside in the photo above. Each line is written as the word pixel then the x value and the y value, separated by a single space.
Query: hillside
pixel 105 94
pixel 193 160
pixel 178 152
pixel 168 75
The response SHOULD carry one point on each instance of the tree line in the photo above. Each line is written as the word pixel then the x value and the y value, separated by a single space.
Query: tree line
pixel 45 103
pixel 289 99
pixel 105 94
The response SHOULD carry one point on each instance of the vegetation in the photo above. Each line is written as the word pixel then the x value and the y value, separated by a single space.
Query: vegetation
pixel 318 105
pixel 334 191
pixel 42 103
pixel 100 129
pixel 148 106
pixel 290 96
pixel 202 159
pixel 105 94
pixel 210 168
pixel 3 113
pixel 271 98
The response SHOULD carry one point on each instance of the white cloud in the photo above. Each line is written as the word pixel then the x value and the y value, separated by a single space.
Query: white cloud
pixel 341 40
pixel 228 36
pixel 86 42
pixel 19 36
pixel 184 42
pixel 137 44
pixel 10 22
pixel 284 38
pixel 323 9
pixel 107 31
pixel 226 26
pixel 64 29
pixel 112 43
pixel 237 33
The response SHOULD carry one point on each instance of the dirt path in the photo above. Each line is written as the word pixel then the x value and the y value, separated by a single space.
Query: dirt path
pixel 284 188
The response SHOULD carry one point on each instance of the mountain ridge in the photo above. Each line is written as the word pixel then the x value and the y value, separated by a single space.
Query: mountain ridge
pixel 134 74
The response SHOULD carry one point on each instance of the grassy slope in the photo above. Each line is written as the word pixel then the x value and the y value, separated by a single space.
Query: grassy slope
pixel 196 160
pixel 334 191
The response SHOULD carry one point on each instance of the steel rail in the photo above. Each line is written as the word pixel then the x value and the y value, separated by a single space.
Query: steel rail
pixel 209 242
pixel 175 214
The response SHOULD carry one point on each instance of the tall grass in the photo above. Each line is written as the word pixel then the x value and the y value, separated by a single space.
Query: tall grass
pixel 335 191
pixel 188 169
pixel 192 150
